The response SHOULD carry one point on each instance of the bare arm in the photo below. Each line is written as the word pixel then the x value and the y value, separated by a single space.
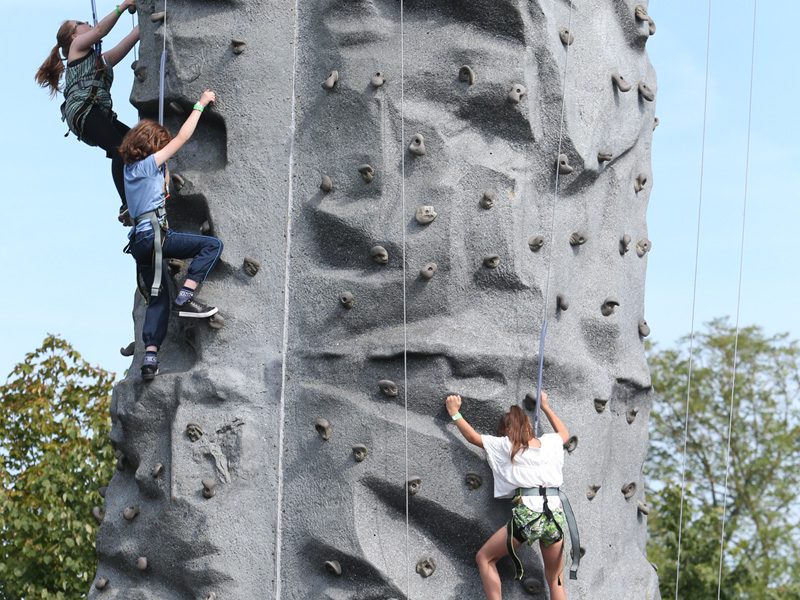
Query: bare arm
pixel 186 131
pixel 120 51
pixel 558 424
pixel 453 404
pixel 83 42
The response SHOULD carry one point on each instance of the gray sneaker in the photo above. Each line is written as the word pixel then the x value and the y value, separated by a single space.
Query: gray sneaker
pixel 194 309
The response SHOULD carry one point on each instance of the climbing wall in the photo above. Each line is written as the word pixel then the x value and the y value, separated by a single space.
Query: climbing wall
pixel 384 183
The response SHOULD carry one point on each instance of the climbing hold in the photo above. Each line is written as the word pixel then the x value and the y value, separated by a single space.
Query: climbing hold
pixel 643 508
pixel 628 490
pixel 333 567
pixel 377 80
pixel 593 489
pixel 564 168
pixel 130 513
pixel 491 262
pixel 607 309
pixel 620 83
pixel 331 80
pixel 140 72
pixel 122 461
pixel 577 239
pixel 466 74
pixel 426 567
pixel 571 444
pixel 388 387
pixel 651 26
pixel 428 271
pixel 604 157
pixel 516 93
pixel 487 201
pixel 425 215
pixel 323 428
pixel 641 15
pixel 600 404
pixel 582 551
pixel 205 227
pixel 237 46
pixel 413 484
pixel 128 350
pixel 216 321
pixel 251 266
pixel 141 563
pixel 327 184
pixel 175 265
pixel 101 583
pixel 561 303
pixel 630 416
pixel 644 328
pixel 347 299
pixel 417 145
pixel 194 432
pixel 533 586
pixel 530 401
pixel 176 108
pixel 157 470
pixel 359 452
pixel 643 247
pixel 656 121
pixel 624 244
pixel 367 173
pixel 158 17
pixel 211 596
pixel 102 491
pixel 473 481
pixel 98 514
pixel 535 243
pixel 379 255
pixel 645 92
pixel 178 182
pixel 641 181
pixel 209 488
pixel 566 37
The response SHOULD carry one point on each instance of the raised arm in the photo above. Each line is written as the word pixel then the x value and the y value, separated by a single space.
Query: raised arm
pixel 558 424
pixel 186 131
pixel 453 404
pixel 118 52
pixel 83 42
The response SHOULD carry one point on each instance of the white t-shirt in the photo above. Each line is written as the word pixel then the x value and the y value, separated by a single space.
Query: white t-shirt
pixel 532 467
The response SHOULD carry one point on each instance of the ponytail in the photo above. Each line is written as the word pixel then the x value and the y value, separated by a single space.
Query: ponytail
pixel 49 74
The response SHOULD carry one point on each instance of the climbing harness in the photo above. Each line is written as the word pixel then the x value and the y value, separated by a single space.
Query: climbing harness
pixel 99 81
pixel 572 525
pixel 158 221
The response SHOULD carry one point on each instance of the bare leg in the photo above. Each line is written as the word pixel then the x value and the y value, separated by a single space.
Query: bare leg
pixel 553 557
pixel 493 550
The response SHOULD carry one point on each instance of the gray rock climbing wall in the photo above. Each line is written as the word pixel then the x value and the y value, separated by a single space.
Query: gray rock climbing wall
pixel 272 458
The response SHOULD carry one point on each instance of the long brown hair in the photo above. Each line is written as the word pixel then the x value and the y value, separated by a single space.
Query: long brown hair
pixel 49 74
pixel 146 138
pixel 517 426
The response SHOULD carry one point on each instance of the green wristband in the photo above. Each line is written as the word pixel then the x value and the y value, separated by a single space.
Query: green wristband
pixel 119 12
pixel 198 106
pixel 457 416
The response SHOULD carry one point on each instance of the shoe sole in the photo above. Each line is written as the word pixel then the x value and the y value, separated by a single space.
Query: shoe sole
pixel 194 315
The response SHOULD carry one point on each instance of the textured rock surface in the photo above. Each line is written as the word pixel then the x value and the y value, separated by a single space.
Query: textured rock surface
pixel 296 516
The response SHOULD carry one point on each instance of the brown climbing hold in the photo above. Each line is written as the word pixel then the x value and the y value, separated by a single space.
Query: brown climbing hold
pixel 473 481
pixel 466 74
pixel 178 182
pixel 238 46
pixel 645 92
pixel 562 303
pixel 643 247
pixel 194 432
pixel 628 490
pixel 140 72
pixel 604 157
pixel 333 567
pixel 101 583
pixel 367 172
pixel 251 266
pixel 487 201
pixel 600 404
pixel 425 215
pixel 330 82
pixel 323 428
pixel 428 271
pixel 327 184
pixel 216 321
pixel 640 13
pixel 530 401
pixel 533 586
pixel 620 83
pixel 656 122
pixel 566 37
pixel 535 243
pixel 593 489
pixel 577 239
pixel 641 181
pixel 128 350
pixel 176 108
pixel 644 328
pixel 624 244
pixel 642 508
pixel 175 265
pixel 630 416
pixel 426 567
pixel 571 444
pixel 388 387
pixel 98 514
pixel 157 470
pixel 564 168
pixel 417 145
pixel 158 17
pixel 209 488
pixel 377 80
pixel 491 262
pixel 360 452
pixel 211 596
pixel 130 513
pixel 607 309
pixel 379 255
pixel 413 484
pixel 516 93
pixel 141 563
pixel 347 299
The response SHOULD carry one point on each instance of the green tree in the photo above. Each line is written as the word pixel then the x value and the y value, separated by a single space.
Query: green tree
pixel 54 454
pixel 761 543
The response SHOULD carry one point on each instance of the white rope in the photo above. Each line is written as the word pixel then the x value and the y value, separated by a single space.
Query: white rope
pixel 694 304
pixel 133 25
pixel 738 303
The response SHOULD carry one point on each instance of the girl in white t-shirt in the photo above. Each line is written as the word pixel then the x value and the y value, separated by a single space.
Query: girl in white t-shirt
pixel 518 459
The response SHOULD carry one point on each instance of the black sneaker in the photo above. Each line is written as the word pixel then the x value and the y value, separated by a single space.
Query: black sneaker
pixel 149 371
pixel 194 309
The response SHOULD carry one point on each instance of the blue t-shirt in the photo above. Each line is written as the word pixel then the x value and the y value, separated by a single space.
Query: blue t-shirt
pixel 144 189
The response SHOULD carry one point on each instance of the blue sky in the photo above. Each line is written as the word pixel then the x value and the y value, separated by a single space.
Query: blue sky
pixel 63 271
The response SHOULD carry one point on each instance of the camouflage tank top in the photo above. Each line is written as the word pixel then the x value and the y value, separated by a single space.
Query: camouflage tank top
pixel 79 77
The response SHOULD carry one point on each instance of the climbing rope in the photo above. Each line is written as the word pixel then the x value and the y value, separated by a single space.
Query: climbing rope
pixel 694 304
pixel 545 299
pixel 738 304
pixel 133 26
pixel 98 47
pixel 162 71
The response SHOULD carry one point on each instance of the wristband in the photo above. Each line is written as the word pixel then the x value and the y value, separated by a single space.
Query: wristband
pixel 119 12
pixel 198 106
pixel 457 416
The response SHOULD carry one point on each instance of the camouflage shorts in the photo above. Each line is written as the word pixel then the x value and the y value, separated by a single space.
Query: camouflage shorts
pixel 530 525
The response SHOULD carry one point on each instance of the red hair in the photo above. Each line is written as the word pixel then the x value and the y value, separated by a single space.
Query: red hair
pixel 516 425
pixel 49 74
pixel 146 138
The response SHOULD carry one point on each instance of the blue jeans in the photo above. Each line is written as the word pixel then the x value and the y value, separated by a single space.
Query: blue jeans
pixel 204 251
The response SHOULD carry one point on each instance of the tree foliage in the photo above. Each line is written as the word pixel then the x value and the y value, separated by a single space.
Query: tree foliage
pixel 54 455
pixel 761 540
